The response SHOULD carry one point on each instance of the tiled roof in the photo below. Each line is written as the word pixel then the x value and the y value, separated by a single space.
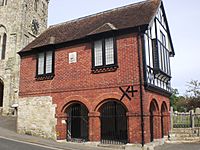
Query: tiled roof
pixel 129 16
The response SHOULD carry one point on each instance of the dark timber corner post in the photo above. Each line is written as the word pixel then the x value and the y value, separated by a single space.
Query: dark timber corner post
pixel 139 40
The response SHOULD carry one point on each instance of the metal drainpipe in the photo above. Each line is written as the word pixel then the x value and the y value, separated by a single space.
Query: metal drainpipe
pixel 141 91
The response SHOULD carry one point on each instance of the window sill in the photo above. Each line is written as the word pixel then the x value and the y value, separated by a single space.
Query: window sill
pixel 44 77
pixel 104 69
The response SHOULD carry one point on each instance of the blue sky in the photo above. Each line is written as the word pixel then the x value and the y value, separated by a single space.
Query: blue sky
pixel 184 22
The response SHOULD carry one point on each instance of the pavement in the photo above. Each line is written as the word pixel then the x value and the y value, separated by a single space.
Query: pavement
pixel 9 137
pixel 179 146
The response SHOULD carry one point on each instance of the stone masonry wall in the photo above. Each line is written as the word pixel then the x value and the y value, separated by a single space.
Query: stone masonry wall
pixel 36 116
pixel 16 21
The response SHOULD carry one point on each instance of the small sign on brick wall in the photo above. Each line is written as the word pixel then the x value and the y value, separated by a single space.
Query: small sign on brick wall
pixel 63 121
pixel 73 57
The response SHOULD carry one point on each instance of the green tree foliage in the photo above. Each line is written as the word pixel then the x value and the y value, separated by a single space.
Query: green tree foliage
pixel 188 102
pixel 193 94
pixel 174 99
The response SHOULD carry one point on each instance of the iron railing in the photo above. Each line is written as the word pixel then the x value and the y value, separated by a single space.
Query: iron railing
pixel 186 120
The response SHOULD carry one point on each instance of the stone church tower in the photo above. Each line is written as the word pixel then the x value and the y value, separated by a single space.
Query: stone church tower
pixel 21 21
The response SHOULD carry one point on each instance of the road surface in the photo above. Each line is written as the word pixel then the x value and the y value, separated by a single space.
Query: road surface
pixel 10 144
pixel 181 146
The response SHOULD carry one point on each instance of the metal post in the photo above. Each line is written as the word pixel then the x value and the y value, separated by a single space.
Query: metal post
pixel 192 118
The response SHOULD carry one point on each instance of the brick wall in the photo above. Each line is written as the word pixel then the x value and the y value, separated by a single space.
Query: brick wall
pixel 76 83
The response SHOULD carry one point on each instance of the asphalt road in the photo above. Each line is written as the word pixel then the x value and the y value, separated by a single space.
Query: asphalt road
pixel 10 144
pixel 181 146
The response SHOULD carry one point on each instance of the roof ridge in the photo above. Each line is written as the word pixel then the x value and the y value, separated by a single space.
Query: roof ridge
pixel 99 13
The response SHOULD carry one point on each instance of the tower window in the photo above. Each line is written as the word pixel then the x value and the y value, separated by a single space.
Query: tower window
pixel 3 46
pixel 36 5
pixel 43 8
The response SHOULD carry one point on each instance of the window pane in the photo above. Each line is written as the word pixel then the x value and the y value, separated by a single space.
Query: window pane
pixel 163 38
pixel 49 62
pixel 160 55
pixel 36 5
pixel 164 60
pixel 98 58
pixel 167 62
pixel 109 51
pixel 41 63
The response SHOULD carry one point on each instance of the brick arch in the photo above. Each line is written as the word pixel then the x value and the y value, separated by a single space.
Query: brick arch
pixel 109 100
pixel 164 107
pixel 154 122
pixel 99 101
pixel 3 28
pixel 113 120
pixel 62 112
pixel 164 119
pixel 1 80
pixel 153 105
pixel 73 99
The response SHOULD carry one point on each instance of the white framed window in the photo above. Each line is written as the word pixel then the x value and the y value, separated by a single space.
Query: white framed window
pixel 109 51
pixel 45 63
pixel 104 53
pixel 40 64
pixel 98 52
pixel 49 62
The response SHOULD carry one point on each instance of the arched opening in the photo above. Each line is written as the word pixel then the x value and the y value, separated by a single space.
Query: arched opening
pixel 36 5
pixel 1 93
pixel 77 122
pixel 113 123
pixel 3 52
pixel 153 108
pixel 163 111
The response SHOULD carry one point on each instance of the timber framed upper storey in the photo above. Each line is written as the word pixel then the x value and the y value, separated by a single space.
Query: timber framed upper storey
pixel 158 49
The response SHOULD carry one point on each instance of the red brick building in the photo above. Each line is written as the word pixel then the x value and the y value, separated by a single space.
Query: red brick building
pixel 108 74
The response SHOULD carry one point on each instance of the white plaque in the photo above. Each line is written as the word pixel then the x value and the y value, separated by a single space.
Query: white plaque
pixel 63 121
pixel 73 57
